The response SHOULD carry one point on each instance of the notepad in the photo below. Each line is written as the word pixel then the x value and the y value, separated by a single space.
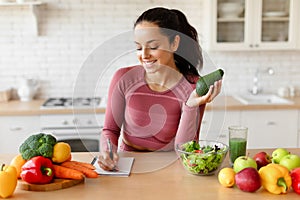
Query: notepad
pixel 124 167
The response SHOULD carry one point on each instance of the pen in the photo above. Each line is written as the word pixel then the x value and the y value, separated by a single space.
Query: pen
pixel 111 153
pixel 110 149
pixel 94 160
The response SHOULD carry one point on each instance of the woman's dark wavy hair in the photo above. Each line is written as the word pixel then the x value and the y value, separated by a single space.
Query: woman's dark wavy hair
pixel 188 56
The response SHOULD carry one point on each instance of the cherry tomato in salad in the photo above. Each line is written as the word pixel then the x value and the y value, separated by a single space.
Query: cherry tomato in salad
pixel 198 151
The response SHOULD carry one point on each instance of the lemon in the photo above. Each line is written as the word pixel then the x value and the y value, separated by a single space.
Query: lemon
pixel 226 177
pixel 61 152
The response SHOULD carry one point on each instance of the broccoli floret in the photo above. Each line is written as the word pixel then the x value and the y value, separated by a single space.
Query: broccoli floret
pixel 29 153
pixel 40 144
pixel 23 147
pixel 41 139
pixel 34 144
pixel 46 150
pixel 50 139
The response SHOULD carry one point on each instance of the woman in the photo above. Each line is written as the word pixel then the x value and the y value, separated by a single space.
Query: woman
pixel 155 104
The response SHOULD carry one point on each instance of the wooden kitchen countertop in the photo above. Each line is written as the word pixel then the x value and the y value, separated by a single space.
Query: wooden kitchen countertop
pixel 34 108
pixel 220 103
pixel 154 176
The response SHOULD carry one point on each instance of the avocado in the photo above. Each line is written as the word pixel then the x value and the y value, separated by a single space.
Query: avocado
pixel 203 83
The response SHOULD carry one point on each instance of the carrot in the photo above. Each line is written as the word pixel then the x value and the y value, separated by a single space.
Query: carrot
pixel 84 164
pixel 64 172
pixel 89 173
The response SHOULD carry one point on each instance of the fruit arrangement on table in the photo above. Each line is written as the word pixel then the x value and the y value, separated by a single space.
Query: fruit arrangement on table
pixel 41 160
pixel 278 173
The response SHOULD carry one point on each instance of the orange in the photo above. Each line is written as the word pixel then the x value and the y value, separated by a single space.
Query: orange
pixel 18 162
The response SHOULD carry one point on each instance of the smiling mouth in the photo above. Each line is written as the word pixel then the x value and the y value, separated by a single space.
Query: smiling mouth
pixel 149 63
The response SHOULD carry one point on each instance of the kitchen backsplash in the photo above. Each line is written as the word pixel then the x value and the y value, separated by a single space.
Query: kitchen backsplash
pixel 71 31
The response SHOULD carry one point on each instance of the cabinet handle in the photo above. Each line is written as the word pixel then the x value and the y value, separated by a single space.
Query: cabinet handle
pixel 256 45
pixel 251 45
pixel 15 128
pixel 65 122
pixel 271 123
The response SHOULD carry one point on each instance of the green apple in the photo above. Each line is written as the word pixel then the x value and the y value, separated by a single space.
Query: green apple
pixel 290 161
pixel 243 162
pixel 277 154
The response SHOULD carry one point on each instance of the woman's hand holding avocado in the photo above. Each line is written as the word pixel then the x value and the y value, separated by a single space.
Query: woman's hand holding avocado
pixel 195 100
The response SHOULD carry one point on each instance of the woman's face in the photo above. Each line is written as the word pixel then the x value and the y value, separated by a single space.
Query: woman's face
pixel 154 50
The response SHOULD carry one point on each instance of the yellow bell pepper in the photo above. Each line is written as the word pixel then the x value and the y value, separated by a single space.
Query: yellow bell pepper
pixel 8 180
pixel 275 178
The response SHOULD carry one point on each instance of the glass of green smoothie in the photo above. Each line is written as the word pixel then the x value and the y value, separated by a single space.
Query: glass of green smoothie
pixel 237 142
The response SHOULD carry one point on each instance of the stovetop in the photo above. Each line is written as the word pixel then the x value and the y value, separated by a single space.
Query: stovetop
pixel 69 102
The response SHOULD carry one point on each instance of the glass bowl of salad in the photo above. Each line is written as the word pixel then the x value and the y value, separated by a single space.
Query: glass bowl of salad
pixel 203 157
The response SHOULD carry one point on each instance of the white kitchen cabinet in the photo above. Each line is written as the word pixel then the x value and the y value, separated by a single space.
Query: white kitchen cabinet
pixel 34 8
pixel 215 124
pixel 82 130
pixel 264 25
pixel 64 121
pixel 15 129
pixel 271 128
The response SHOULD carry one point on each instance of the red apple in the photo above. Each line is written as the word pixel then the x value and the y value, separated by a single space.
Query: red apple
pixel 262 159
pixel 248 180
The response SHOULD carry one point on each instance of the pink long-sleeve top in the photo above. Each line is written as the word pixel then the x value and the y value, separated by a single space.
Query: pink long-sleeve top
pixel 148 120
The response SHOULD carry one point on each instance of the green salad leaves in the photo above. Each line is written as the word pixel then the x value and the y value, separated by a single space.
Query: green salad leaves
pixel 201 159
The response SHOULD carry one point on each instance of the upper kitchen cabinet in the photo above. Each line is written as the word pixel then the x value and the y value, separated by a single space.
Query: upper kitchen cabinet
pixel 252 24
pixel 34 8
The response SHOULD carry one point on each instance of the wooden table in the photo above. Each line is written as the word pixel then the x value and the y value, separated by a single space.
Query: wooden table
pixel 154 176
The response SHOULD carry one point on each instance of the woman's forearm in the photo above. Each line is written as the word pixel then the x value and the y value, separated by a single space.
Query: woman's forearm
pixel 189 125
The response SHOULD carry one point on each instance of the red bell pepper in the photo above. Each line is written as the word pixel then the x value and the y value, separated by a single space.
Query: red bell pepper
pixel 295 174
pixel 38 170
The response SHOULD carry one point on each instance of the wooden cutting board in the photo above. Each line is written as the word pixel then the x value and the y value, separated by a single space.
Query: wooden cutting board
pixel 56 184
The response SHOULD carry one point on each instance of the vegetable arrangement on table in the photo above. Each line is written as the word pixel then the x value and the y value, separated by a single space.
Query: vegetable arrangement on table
pixel 42 159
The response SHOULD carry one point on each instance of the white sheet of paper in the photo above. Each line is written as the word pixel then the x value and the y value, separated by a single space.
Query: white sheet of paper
pixel 124 167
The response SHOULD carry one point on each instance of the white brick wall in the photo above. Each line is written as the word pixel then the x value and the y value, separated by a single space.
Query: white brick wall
pixel 240 68
pixel 72 29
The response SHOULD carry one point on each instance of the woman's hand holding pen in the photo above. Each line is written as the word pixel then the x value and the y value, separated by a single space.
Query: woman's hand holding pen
pixel 195 100
pixel 106 163
pixel 109 159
